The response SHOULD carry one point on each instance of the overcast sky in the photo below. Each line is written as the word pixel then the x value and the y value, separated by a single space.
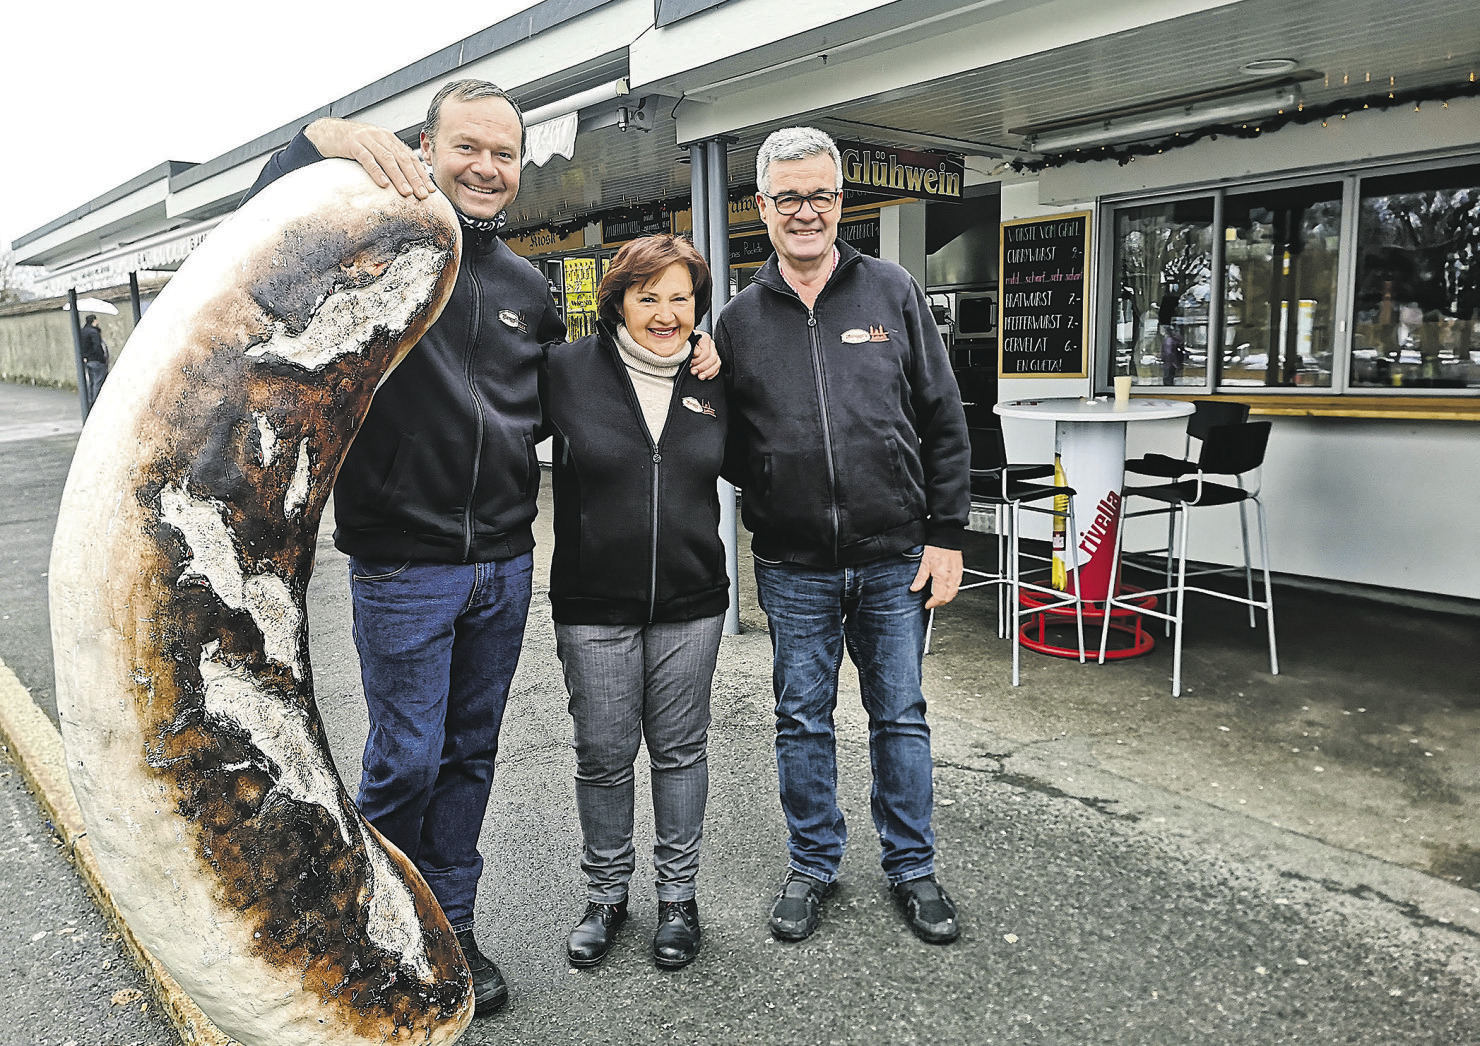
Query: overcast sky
pixel 94 92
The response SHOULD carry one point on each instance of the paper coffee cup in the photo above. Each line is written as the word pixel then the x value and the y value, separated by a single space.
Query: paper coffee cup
pixel 1122 389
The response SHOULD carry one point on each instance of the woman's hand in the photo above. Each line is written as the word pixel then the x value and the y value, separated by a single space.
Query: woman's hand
pixel 704 364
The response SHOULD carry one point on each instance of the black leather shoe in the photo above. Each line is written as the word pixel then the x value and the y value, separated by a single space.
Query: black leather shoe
pixel 798 907
pixel 928 909
pixel 676 943
pixel 592 938
pixel 489 990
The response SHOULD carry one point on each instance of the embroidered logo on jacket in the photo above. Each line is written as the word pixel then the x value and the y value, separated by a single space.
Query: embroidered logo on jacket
pixel 856 336
pixel 510 318
pixel 877 334
pixel 699 406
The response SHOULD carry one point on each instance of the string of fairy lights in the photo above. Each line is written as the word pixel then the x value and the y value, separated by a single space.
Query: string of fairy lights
pixel 1300 113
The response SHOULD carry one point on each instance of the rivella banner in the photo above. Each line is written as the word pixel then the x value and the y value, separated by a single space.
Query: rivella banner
pixel 885 171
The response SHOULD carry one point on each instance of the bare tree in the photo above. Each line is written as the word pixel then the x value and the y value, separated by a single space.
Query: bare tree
pixel 13 286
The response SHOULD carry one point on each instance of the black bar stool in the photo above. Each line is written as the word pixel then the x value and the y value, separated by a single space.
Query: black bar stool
pixel 1227 450
pixel 1005 489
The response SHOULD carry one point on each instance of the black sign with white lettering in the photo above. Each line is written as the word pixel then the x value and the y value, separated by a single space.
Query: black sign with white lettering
pixel 872 171
pixel 637 222
pixel 861 234
pixel 1044 308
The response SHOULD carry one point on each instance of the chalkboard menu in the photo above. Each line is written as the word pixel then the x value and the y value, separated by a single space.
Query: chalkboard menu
pixel 1044 307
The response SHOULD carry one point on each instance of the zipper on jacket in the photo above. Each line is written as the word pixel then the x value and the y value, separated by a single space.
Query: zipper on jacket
pixel 473 328
pixel 815 338
pixel 678 380
pixel 635 405
pixel 653 547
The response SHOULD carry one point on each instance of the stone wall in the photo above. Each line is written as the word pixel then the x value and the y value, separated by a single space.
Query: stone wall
pixel 36 336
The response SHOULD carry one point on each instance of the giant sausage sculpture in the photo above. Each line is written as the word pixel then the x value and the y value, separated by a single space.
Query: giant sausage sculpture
pixel 179 569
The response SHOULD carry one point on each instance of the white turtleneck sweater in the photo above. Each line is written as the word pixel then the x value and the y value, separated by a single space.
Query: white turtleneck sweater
pixel 652 378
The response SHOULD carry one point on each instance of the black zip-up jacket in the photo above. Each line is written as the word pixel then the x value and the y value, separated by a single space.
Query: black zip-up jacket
pixel 848 436
pixel 443 469
pixel 636 525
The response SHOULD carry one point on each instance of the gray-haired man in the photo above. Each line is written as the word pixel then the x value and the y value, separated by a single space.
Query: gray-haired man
pixel 851 447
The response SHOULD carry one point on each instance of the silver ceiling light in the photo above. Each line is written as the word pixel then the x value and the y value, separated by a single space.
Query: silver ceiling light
pixel 1141 126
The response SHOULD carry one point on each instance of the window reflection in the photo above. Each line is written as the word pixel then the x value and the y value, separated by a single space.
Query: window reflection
pixel 1418 281
pixel 1281 253
pixel 1163 258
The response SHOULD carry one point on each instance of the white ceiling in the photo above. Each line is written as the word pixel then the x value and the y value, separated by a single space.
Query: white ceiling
pixel 1359 47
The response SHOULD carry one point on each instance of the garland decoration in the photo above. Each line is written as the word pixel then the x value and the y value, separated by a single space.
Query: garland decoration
pixel 1300 113
pixel 565 225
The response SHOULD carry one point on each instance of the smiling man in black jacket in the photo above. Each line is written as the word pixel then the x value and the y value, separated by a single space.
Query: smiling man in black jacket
pixel 848 425
pixel 435 500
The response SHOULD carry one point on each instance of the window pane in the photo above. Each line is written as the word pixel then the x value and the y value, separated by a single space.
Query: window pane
pixel 1163 259
pixel 1281 248
pixel 1418 281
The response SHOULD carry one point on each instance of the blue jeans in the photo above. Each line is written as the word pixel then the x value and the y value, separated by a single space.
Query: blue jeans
pixel 814 614
pixel 438 646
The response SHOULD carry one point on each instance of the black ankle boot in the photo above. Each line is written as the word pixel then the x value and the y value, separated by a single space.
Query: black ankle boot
pixel 676 943
pixel 489 990
pixel 592 938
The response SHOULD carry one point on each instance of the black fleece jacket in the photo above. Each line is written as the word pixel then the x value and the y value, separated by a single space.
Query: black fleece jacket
pixel 636 525
pixel 444 468
pixel 848 436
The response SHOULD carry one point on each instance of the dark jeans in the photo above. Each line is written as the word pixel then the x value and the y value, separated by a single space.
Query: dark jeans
pixel 96 372
pixel 438 647
pixel 869 610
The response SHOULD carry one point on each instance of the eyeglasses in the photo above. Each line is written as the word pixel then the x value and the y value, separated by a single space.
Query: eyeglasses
pixel 789 203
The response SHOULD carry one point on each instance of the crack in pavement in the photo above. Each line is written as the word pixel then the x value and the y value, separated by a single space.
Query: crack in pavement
pixel 1407 909
pixel 1028 783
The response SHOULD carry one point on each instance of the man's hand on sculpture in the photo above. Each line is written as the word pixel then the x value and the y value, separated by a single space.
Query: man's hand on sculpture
pixel 386 158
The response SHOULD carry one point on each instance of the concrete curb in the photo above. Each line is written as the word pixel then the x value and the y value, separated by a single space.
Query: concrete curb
pixel 36 747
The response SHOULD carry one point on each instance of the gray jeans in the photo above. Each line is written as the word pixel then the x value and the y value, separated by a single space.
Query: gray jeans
pixel 627 683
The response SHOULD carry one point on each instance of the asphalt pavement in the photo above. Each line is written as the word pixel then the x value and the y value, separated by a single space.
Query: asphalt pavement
pixel 1130 869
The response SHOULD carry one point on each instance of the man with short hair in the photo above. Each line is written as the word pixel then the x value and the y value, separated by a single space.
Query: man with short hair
pixel 435 499
pixel 94 359
pixel 850 445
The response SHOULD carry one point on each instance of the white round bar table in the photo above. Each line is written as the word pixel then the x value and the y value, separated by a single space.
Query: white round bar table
pixel 1089 437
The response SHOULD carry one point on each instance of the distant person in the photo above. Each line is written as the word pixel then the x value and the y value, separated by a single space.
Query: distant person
pixel 638 585
pixel 854 460
pixel 94 359
pixel 1169 330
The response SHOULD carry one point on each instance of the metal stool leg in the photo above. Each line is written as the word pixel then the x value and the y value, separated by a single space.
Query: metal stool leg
pixel 1181 599
pixel 1014 592
pixel 1274 664
pixel 1004 523
pixel 1243 526
pixel 1073 549
pixel 1110 601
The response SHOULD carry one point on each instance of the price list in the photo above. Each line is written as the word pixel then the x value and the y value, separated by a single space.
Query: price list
pixel 1044 309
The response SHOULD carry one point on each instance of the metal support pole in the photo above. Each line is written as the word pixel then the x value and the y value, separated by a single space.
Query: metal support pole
pixel 77 352
pixel 698 186
pixel 133 297
pixel 717 252
pixel 707 188
pixel 717 172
